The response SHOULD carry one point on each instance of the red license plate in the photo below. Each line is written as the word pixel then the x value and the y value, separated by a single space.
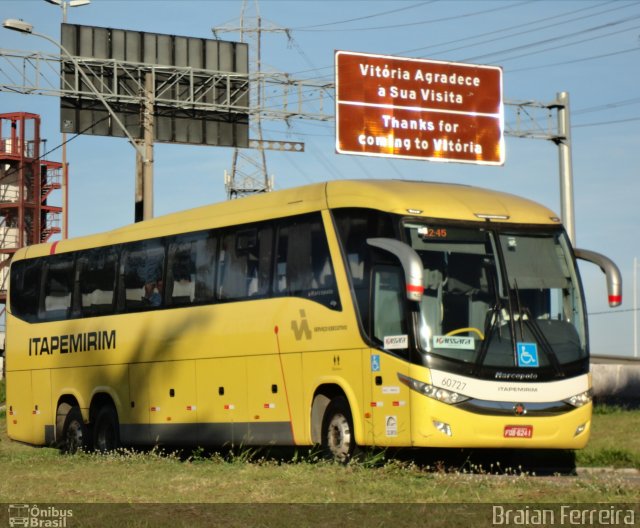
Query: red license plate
pixel 518 431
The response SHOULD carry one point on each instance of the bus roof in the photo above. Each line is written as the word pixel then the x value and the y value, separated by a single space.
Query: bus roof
pixel 415 198
pixel 438 200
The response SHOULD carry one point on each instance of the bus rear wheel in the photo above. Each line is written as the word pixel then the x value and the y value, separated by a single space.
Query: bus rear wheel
pixel 106 430
pixel 338 440
pixel 71 431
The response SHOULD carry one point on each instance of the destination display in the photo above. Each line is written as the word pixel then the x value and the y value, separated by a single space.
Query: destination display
pixel 419 109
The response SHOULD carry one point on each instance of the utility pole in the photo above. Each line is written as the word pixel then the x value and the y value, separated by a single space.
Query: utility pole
pixel 530 123
pixel 635 307
pixel 566 166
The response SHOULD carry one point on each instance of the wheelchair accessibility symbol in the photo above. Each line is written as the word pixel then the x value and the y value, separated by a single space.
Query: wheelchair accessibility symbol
pixel 375 363
pixel 528 355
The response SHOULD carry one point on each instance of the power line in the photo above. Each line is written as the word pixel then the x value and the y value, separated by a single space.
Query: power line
pixel 518 29
pixel 501 8
pixel 571 14
pixel 573 61
pixel 606 106
pixel 392 11
pixel 601 123
pixel 553 39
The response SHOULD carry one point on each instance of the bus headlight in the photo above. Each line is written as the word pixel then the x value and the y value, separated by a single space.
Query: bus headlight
pixel 443 427
pixel 437 393
pixel 581 399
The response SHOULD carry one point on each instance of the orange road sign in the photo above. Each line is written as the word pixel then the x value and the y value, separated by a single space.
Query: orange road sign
pixel 419 109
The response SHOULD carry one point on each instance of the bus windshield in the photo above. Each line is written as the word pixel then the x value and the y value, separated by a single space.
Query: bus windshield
pixel 498 299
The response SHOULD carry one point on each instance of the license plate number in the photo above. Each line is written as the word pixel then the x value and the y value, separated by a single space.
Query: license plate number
pixel 518 431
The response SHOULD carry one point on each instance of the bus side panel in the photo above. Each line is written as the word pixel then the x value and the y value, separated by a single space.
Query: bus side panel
pixel 135 430
pixel 341 368
pixel 270 424
pixel 19 406
pixel 368 385
pixel 83 383
pixel 390 399
pixel 297 412
pixel 43 418
pixel 172 402
pixel 222 400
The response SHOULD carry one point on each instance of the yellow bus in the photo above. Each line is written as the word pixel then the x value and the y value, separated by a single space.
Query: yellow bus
pixel 341 314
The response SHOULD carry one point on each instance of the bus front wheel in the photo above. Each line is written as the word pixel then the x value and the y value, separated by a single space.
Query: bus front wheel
pixel 71 431
pixel 106 430
pixel 338 440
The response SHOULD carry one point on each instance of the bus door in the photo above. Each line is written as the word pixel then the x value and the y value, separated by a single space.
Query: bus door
pixel 389 405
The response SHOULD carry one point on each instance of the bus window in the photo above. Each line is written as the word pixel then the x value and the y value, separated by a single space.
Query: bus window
pixel 354 226
pixel 389 319
pixel 97 280
pixel 141 275
pixel 244 265
pixel 303 262
pixel 58 287
pixel 191 269
pixel 25 289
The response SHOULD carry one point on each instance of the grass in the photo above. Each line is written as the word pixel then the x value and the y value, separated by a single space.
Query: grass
pixel 250 477
pixel 615 441
pixel 249 488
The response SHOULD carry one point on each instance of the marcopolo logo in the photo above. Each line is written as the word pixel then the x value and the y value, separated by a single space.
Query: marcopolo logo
pixel 38 516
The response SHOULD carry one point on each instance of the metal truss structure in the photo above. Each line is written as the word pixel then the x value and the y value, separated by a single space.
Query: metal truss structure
pixel 184 88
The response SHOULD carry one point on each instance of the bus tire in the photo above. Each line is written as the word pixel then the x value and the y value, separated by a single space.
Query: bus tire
pixel 338 439
pixel 106 430
pixel 71 432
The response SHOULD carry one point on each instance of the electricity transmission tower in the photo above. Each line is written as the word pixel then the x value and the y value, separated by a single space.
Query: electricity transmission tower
pixel 249 174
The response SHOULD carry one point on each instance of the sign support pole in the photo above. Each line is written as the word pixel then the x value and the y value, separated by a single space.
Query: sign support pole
pixel 144 167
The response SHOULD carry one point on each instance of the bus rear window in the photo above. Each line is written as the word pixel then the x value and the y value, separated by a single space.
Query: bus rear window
pixel 25 286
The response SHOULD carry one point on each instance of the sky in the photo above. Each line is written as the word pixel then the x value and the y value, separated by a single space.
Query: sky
pixel 590 49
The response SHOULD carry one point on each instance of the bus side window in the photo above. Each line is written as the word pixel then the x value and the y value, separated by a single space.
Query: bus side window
pixel 244 265
pixel 303 263
pixel 97 278
pixel 191 269
pixel 58 287
pixel 141 275
pixel 25 289
pixel 389 317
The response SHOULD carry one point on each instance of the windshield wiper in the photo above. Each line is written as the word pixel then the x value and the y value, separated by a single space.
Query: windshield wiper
pixel 538 334
pixel 490 324
pixel 544 342
pixel 519 307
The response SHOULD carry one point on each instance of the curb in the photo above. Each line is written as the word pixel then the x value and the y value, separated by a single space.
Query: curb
pixel 627 472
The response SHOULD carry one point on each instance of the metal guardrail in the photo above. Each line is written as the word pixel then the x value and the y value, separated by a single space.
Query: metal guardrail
pixel 600 359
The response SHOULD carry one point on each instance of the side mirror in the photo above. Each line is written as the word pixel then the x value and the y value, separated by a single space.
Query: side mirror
pixel 411 264
pixel 611 271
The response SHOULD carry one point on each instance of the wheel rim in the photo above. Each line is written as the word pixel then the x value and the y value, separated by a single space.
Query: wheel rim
pixel 339 437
